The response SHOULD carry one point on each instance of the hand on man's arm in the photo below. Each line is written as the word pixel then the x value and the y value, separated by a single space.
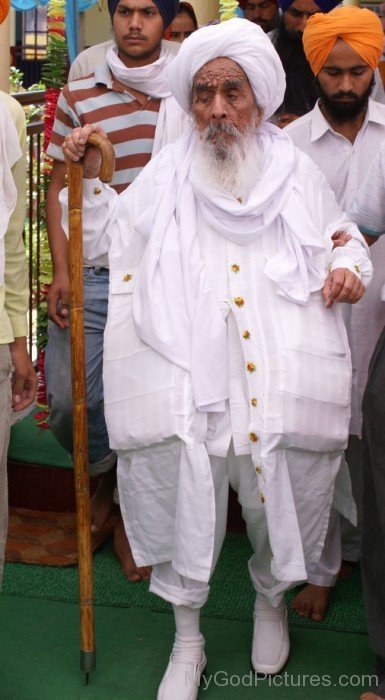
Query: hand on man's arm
pixel 342 285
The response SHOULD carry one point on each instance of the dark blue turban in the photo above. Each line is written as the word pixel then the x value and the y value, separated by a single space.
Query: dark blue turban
pixel 167 8
pixel 324 5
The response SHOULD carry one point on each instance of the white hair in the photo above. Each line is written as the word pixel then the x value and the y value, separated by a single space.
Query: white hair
pixel 233 164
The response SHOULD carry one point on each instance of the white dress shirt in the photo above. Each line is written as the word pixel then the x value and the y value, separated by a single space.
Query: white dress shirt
pixel 368 208
pixel 345 165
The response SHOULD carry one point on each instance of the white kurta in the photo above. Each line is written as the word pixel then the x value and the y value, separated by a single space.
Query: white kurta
pixel 289 385
pixel 345 166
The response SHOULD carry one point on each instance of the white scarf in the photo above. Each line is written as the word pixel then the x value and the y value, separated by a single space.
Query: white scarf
pixel 9 153
pixel 150 80
pixel 175 310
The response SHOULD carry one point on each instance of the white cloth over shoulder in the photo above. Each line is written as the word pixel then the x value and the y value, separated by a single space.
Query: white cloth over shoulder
pixel 241 41
pixel 10 152
pixel 150 79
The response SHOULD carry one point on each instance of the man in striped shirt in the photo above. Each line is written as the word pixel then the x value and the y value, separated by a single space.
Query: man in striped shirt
pixel 127 95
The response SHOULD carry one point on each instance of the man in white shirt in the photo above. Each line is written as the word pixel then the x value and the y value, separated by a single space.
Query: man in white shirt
pixel 342 135
pixel 225 355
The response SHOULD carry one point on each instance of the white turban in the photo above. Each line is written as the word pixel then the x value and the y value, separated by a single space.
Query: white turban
pixel 246 44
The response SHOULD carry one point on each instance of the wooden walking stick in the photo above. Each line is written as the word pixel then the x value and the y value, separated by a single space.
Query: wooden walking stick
pixel 79 397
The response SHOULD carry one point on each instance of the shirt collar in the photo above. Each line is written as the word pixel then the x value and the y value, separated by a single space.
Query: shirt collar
pixel 320 125
pixel 103 76
pixel 375 112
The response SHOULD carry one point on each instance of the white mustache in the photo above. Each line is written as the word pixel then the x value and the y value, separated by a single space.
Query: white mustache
pixel 214 129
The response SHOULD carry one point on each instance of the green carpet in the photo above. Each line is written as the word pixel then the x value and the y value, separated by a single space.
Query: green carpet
pixel 231 594
pixel 32 444
pixel 39 643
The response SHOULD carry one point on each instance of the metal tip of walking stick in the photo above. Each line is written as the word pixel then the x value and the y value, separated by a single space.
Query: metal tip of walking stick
pixel 87 664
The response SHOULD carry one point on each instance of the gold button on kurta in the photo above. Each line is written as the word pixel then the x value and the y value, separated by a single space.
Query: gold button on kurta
pixel 253 402
pixel 251 367
pixel 262 497
pixel 253 437
pixel 235 267
pixel 239 301
pixel 97 190
pixel 246 335
pixel 258 470
pixel 127 278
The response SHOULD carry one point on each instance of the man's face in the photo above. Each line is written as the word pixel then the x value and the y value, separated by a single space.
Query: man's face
pixel 262 12
pixel 345 82
pixel 297 15
pixel 138 28
pixel 223 101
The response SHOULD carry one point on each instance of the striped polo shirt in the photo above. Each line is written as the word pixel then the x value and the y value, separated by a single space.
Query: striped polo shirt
pixel 100 99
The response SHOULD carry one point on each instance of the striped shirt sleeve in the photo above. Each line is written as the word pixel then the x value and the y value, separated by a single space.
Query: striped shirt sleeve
pixel 66 120
pixel 368 209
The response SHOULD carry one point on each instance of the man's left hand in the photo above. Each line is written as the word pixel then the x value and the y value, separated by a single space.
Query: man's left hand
pixel 342 285
pixel 24 378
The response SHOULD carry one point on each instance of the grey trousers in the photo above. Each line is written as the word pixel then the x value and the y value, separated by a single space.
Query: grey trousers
pixel 373 541
pixel 5 423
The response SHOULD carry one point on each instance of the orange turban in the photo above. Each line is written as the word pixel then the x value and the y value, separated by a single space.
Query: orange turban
pixel 4 9
pixel 361 29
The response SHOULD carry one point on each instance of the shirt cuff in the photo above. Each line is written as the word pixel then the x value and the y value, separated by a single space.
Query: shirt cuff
pixel 346 263
pixel 370 232
pixel 19 325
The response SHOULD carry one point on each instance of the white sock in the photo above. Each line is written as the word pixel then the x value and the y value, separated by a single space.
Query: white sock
pixel 189 642
pixel 266 611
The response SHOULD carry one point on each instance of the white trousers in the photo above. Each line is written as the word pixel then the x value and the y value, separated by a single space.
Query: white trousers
pixel 343 540
pixel 240 473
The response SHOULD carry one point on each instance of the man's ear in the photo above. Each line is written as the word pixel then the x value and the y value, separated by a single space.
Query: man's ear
pixel 259 116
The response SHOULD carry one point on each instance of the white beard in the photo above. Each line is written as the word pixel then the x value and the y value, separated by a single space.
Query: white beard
pixel 232 166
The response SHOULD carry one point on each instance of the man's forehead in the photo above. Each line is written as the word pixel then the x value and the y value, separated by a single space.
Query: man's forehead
pixel 137 4
pixel 304 6
pixel 342 55
pixel 221 69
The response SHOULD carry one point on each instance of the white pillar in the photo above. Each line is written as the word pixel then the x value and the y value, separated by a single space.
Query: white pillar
pixel 5 58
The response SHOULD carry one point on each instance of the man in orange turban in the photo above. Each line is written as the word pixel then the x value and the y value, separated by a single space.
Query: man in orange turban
pixel 342 135
pixel 361 29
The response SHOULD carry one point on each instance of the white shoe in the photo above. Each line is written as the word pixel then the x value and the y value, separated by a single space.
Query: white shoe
pixel 182 679
pixel 271 643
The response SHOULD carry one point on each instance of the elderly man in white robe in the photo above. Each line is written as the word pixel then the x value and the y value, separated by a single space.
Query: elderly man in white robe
pixel 226 358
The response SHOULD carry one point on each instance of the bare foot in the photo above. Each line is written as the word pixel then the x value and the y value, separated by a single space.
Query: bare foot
pixel 102 500
pixel 370 696
pixel 122 550
pixel 313 601
pixel 347 568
